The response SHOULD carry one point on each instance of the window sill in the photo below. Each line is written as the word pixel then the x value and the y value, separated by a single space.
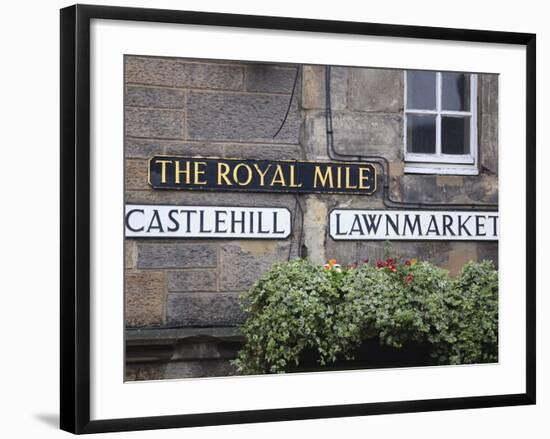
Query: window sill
pixel 440 169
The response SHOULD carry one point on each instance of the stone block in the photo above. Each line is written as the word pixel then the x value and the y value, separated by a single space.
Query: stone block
pixel 488 250
pixel 136 174
pixel 460 253
pixel 482 188
pixel 268 152
pixel 176 72
pixel 488 145
pixel 165 124
pixel 129 253
pixel 175 255
pixel 145 371
pixel 241 117
pixel 242 263
pixel 195 149
pixel 192 280
pixel 204 309
pixel 270 78
pixel 425 189
pixel 142 148
pixel 144 298
pixel 199 369
pixel 489 93
pixel 355 133
pixel 314 88
pixel 315 229
pixel 376 90
pixel 204 198
pixel 154 97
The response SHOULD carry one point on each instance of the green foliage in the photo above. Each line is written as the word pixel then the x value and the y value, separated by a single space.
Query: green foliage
pixel 290 310
pixel 299 306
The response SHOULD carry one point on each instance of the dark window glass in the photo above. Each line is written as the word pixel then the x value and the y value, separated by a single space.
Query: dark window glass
pixel 455 92
pixel 455 135
pixel 421 133
pixel 421 90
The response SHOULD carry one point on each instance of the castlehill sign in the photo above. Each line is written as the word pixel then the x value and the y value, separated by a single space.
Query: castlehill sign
pixel 147 221
pixel 217 174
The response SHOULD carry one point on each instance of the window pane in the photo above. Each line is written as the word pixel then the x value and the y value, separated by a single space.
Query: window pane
pixel 421 90
pixel 455 135
pixel 455 92
pixel 421 133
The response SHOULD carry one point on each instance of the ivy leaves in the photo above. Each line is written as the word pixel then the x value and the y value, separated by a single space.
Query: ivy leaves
pixel 299 306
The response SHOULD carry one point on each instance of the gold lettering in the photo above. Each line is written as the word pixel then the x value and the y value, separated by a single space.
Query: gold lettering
pixel 278 176
pixel 363 177
pixel 223 174
pixel 199 172
pixel 236 174
pixel 292 177
pixel 163 164
pixel 323 178
pixel 186 172
pixel 262 175
pixel 348 185
pixel 339 177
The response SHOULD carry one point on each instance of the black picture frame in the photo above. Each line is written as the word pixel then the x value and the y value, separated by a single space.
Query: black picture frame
pixel 75 217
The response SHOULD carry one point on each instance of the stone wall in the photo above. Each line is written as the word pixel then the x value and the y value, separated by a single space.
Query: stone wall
pixel 233 109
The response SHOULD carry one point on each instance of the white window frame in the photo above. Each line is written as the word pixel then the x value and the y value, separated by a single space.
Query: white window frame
pixel 439 163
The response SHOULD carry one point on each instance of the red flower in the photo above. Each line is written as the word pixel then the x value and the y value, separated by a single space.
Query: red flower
pixel 408 279
pixel 408 263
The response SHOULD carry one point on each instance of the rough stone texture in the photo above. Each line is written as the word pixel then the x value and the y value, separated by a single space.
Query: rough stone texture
pixel 459 255
pixel 192 280
pixel 175 255
pixel 202 149
pixel 271 152
pixel 130 254
pixel 242 263
pixel 164 124
pixel 199 369
pixel 315 235
pixel 358 251
pixel 355 133
pixel 484 189
pixel 425 189
pixel 270 78
pixel 489 93
pixel 207 309
pixel 241 117
pixel 144 298
pixel 314 89
pixel 179 73
pixel 488 143
pixel 154 97
pixel 210 198
pixel 141 148
pixel 376 90
pixel 145 371
pixel 136 174
pixel 488 251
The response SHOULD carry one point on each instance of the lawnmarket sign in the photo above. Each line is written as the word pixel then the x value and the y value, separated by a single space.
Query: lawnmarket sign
pixel 287 176
pixel 412 225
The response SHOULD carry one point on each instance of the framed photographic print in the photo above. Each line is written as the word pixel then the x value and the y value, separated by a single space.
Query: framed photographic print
pixel 268 218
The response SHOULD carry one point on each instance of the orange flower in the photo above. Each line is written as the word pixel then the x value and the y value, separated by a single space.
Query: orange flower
pixel 332 261
pixel 327 267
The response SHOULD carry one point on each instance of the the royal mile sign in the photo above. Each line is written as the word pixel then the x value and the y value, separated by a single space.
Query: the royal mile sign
pixel 147 221
pixel 219 174
pixel 348 224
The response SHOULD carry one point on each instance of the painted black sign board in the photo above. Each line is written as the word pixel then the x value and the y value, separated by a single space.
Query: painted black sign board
pixel 220 174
